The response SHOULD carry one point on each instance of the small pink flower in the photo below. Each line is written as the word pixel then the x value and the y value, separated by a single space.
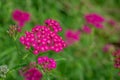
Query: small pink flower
pixel 116 53
pixel 33 74
pixel 72 36
pixel 106 48
pixel 111 22
pixel 86 29
pixel 20 17
pixel 117 62
pixel 47 63
pixel 95 20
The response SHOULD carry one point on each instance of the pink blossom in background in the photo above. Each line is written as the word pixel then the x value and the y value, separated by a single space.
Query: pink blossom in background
pixel 86 29
pixel 116 54
pixel 95 19
pixel 106 47
pixel 117 62
pixel 72 36
pixel 111 22
pixel 20 17
pixel 33 74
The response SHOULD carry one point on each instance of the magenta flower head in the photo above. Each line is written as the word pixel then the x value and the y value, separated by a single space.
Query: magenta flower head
pixel 72 36
pixel 111 22
pixel 116 53
pixel 30 72
pixel 106 48
pixel 42 39
pixel 117 62
pixel 20 17
pixel 95 19
pixel 33 74
pixel 47 63
pixel 23 70
pixel 86 29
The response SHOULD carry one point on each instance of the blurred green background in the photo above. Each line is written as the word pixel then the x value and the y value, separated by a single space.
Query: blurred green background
pixel 83 60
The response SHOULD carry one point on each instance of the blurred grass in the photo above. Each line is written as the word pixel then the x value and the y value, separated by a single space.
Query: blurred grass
pixel 81 61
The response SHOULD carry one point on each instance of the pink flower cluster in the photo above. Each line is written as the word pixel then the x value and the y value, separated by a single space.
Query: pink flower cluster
pixel 86 29
pixel 95 20
pixel 30 72
pixel 112 22
pixel 47 63
pixel 43 39
pixel 33 74
pixel 20 17
pixel 72 36
pixel 116 54
pixel 117 62
pixel 106 47
pixel 53 24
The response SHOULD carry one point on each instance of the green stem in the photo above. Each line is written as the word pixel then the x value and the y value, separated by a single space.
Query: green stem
pixel 47 76
pixel 17 48
pixel 25 56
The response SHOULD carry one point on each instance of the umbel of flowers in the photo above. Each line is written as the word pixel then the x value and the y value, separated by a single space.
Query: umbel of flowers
pixel 21 17
pixel 44 37
pixel 72 36
pixel 95 19
pixel 116 54
pixel 30 72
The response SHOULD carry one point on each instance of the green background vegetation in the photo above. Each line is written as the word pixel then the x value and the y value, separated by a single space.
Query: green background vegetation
pixel 84 60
